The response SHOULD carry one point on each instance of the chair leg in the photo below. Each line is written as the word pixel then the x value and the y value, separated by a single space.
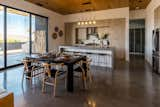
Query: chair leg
pixel 85 84
pixel 23 78
pixel 84 80
pixel 90 77
pixel 55 85
pixel 66 81
pixel 43 85
pixel 31 78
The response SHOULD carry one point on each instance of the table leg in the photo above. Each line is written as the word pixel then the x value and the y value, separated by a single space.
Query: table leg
pixel 70 78
pixel 85 66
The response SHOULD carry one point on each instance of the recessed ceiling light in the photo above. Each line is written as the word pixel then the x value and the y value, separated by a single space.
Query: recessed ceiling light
pixel 137 7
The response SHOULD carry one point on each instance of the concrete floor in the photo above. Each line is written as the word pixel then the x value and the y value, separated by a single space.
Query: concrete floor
pixel 129 85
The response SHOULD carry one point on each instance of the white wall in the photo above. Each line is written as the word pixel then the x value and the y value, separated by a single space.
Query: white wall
pixel 149 27
pixel 103 15
pixel 137 14
pixel 55 19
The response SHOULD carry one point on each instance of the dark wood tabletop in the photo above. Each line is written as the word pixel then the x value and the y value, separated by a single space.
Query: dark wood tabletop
pixel 68 60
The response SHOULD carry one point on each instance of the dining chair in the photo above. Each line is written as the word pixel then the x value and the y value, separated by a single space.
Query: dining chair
pixel 89 73
pixel 85 75
pixel 53 73
pixel 79 72
pixel 32 69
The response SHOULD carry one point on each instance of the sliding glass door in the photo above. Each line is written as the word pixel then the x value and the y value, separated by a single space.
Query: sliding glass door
pixel 21 33
pixel 17 36
pixel 1 37
pixel 39 34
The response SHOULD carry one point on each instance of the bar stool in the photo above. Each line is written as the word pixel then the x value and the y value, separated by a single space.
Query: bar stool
pixel 90 56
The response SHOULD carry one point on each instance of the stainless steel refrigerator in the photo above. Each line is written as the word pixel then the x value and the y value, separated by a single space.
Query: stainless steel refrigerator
pixel 156 51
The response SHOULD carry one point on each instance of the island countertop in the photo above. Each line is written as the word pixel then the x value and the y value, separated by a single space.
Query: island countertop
pixel 101 56
pixel 87 47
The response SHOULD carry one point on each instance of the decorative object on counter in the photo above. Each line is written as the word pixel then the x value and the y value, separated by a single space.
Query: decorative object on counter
pixel 108 43
pixel 56 29
pixel 92 40
pixel 106 40
pixel 54 35
pixel 60 33
pixel 105 36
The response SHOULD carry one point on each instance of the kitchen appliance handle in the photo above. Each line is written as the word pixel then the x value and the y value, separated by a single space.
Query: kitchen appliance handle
pixel 153 41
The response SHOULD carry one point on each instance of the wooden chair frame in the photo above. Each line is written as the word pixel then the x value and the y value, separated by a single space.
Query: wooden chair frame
pixel 33 71
pixel 47 76
pixel 85 75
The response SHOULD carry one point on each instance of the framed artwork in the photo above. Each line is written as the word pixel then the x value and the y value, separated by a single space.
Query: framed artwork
pixel 60 33
pixel 54 35
pixel 56 29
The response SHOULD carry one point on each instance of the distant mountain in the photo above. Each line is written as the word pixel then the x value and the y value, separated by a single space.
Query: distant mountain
pixel 21 38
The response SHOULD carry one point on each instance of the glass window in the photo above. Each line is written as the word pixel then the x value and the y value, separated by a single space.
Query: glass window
pixel 17 36
pixel 39 33
pixel 1 37
pixel 19 42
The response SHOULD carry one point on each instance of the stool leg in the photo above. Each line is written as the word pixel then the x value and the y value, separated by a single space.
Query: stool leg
pixel 55 85
pixel 43 85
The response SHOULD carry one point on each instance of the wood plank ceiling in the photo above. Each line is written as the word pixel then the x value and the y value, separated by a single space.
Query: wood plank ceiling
pixel 75 6
pixel 138 4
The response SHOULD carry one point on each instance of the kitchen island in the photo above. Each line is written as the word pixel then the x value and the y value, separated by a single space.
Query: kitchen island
pixel 101 56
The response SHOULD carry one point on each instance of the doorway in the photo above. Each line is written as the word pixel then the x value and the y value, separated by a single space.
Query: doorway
pixel 137 38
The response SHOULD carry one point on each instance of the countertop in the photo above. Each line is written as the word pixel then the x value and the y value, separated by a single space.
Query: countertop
pixel 87 47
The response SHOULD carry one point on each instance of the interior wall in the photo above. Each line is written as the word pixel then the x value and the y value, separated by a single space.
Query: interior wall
pixel 157 18
pixel 149 27
pixel 55 19
pixel 103 15
pixel 114 27
pixel 137 14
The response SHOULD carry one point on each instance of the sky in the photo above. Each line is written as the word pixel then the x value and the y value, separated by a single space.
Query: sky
pixel 17 26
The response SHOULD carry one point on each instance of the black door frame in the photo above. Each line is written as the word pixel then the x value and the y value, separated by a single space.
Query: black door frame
pixel 140 28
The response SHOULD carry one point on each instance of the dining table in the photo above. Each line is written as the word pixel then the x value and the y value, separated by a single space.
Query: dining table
pixel 68 60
